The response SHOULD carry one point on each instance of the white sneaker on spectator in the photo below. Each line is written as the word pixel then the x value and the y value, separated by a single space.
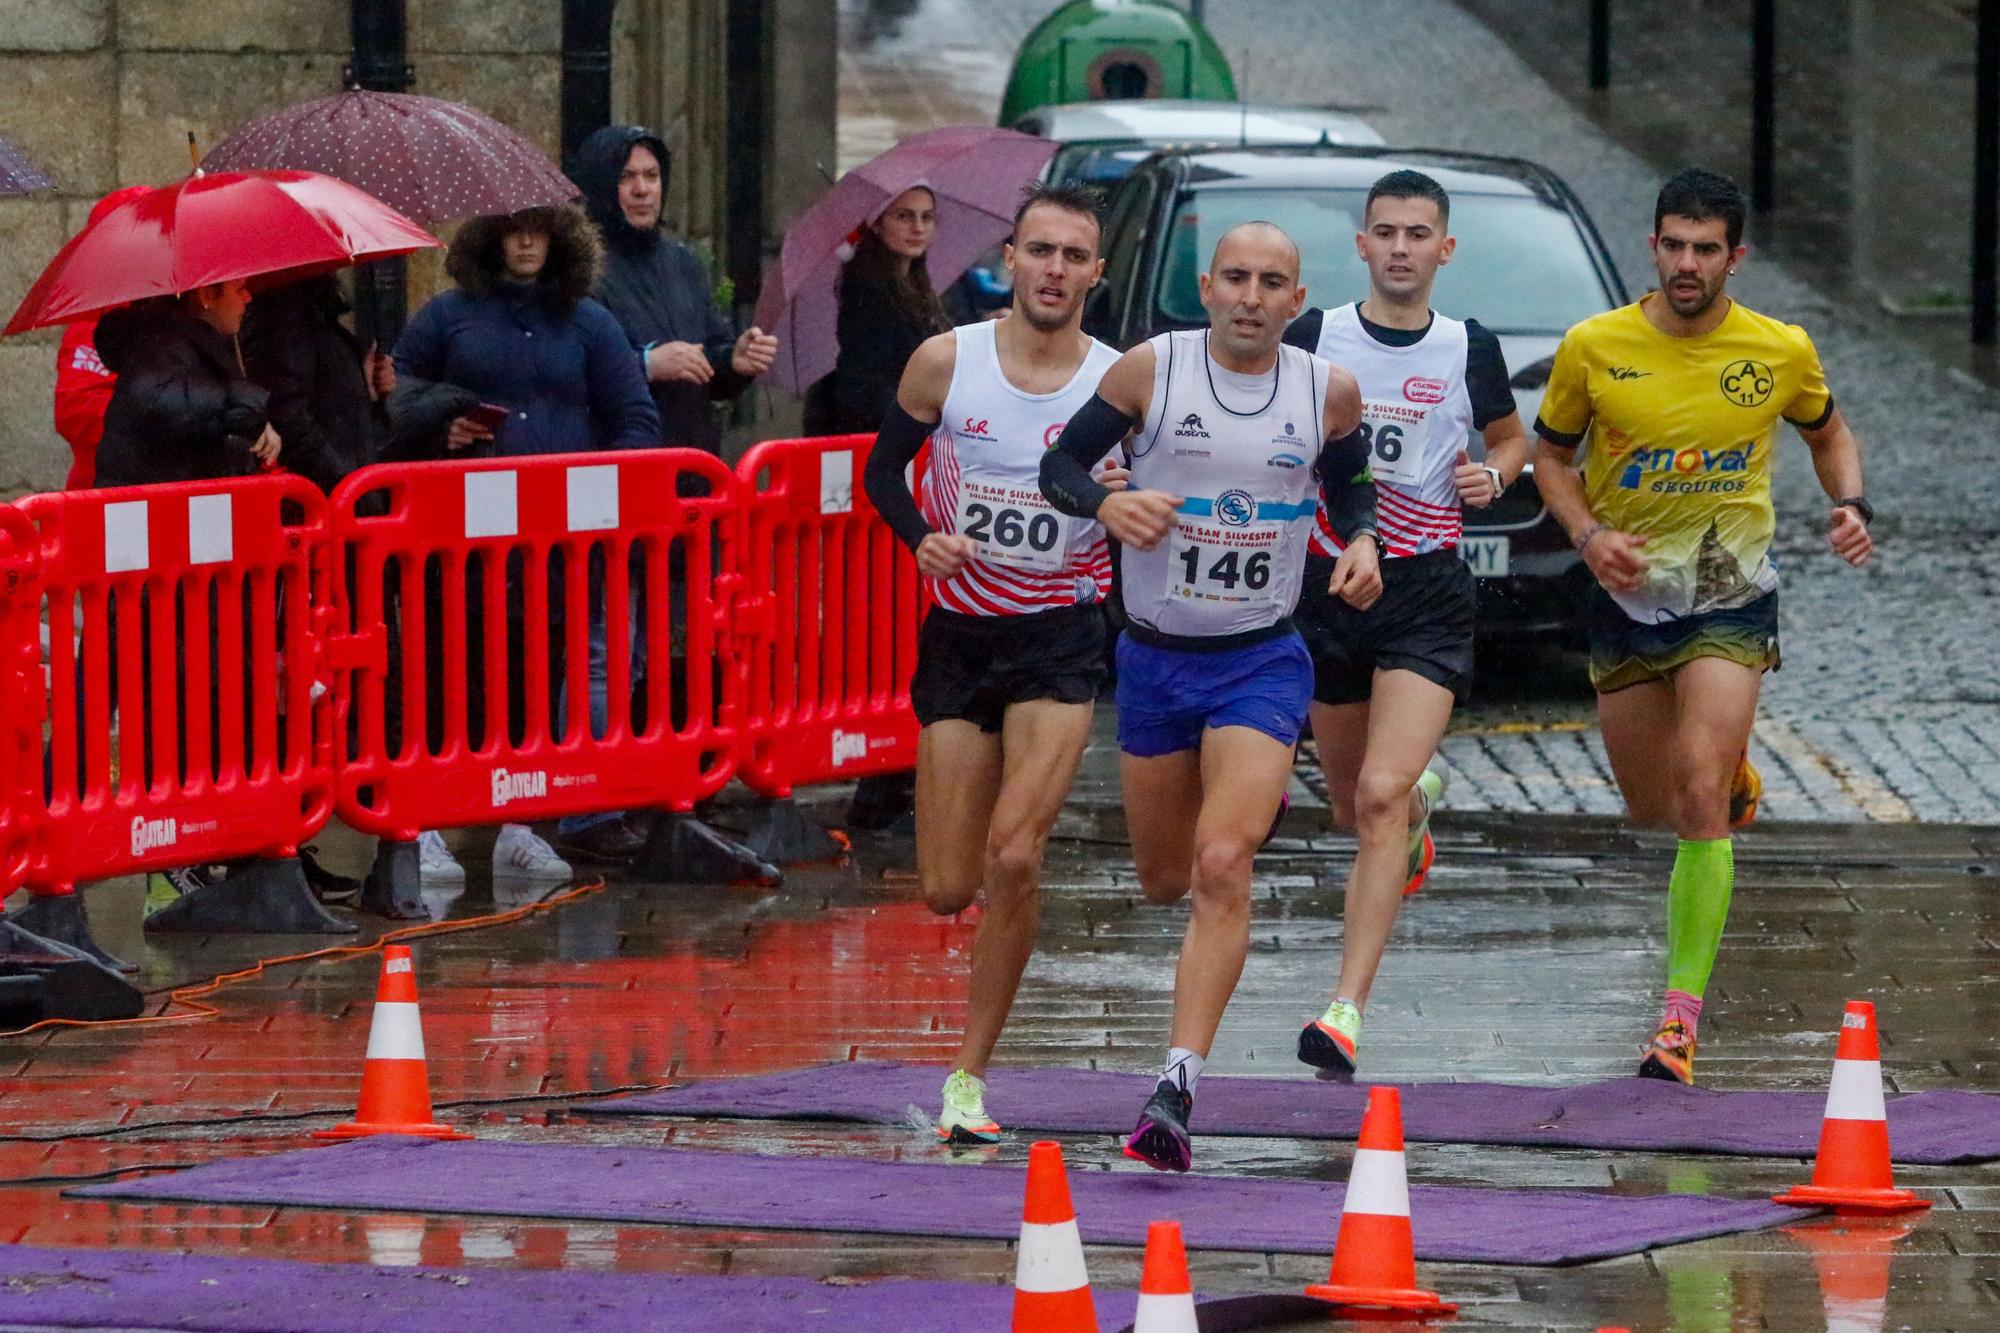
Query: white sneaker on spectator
pixel 435 863
pixel 518 851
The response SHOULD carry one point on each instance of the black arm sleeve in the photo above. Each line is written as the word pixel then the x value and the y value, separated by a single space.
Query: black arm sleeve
pixel 1303 332
pixel 1486 376
pixel 1346 486
pixel 896 446
pixel 1092 433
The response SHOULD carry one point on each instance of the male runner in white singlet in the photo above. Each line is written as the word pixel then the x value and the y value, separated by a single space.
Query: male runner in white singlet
pixel 1385 679
pixel 1238 439
pixel 1010 660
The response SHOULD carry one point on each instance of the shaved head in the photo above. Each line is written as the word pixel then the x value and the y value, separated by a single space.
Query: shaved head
pixel 1266 237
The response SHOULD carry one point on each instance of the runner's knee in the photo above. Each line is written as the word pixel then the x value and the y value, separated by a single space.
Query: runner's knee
pixel 1222 867
pixel 1701 803
pixel 1381 798
pixel 946 893
pixel 1013 858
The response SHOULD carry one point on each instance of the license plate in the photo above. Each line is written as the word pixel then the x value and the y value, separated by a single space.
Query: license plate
pixel 1486 555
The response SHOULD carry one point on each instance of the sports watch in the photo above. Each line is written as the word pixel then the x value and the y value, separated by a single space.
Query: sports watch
pixel 1859 504
pixel 1499 483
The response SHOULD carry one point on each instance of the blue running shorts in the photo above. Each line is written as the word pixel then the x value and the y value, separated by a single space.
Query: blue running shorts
pixel 1168 696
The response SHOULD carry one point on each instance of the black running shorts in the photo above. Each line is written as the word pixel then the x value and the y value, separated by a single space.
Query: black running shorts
pixel 1422 622
pixel 974 667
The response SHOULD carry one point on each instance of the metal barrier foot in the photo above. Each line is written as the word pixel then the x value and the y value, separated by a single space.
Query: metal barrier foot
pixel 394 887
pixel 785 836
pixel 263 897
pixel 41 978
pixel 59 917
pixel 680 849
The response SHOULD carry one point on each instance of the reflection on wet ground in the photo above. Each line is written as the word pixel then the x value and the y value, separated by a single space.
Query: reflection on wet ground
pixel 1532 957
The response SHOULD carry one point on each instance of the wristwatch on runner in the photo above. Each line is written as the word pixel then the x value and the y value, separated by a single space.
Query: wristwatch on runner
pixel 1859 504
pixel 1499 485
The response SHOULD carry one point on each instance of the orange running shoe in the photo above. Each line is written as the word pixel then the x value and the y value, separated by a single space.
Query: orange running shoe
pixel 1430 790
pixel 1670 1055
pixel 1745 790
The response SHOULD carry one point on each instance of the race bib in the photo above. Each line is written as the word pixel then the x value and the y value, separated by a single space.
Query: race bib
pixel 1395 434
pixel 1209 561
pixel 1009 526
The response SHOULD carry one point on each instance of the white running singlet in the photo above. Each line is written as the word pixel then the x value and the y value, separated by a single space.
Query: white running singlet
pixel 1241 450
pixel 984 482
pixel 1416 412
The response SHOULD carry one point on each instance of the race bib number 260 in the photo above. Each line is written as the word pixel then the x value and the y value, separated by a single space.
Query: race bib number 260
pixel 1011 527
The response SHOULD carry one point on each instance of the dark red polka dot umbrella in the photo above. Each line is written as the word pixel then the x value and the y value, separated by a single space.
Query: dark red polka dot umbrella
pixel 427 158
pixel 17 174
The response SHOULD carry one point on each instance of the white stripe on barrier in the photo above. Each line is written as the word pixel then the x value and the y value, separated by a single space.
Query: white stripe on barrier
pixel 1165 1314
pixel 1377 1185
pixel 397 1033
pixel 1856 1091
pixel 127 540
pixel 211 529
pixel 836 482
pixel 492 504
pixel 1050 1258
pixel 593 497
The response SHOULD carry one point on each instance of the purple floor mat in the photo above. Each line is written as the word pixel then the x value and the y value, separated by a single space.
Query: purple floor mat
pixel 1622 1114
pixel 158 1290
pixel 698 1188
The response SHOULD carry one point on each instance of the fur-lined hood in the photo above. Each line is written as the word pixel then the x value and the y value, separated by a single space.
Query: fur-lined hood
pixel 576 255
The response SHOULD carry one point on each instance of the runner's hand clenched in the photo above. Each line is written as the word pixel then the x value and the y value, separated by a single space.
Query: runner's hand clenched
pixel 1139 519
pixel 1615 559
pixel 942 554
pixel 1473 483
pixel 1849 537
pixel 1357 575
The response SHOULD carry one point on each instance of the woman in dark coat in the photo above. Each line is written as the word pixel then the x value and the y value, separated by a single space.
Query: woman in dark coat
pixel 183 408
pixel 887 309
pixel 327 392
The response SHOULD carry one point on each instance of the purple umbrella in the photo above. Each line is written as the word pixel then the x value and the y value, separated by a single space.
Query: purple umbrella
pixel 426 158
pixel 17 174
pixel 977 175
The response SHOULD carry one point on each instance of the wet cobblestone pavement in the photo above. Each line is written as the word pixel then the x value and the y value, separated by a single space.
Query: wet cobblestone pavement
pixel 1532 956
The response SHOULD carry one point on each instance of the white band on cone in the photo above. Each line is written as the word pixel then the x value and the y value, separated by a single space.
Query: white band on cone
pixel 1376 1185
pixel 1165 1314
pixel 1050 1258
pixel 397 1033
pixel 1856 1091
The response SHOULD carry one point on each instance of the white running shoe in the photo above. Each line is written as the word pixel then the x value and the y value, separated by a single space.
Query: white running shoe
pixel 435 863
pixel 518 851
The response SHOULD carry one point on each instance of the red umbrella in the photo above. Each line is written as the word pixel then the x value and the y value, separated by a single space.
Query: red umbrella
pixel 977 175
pixel 425 157
pixel 273 225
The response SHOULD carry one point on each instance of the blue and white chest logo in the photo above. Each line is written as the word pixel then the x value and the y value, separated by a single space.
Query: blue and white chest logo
pixel 1235 508
pixel 1290 448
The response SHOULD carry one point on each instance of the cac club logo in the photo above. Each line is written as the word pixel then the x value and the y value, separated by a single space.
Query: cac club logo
pixel 1235 508
pixel 1050 435
pixel 1747 383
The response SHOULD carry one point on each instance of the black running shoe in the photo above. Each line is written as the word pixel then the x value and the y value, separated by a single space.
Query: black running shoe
pixel 1161 1140
pixel 328 886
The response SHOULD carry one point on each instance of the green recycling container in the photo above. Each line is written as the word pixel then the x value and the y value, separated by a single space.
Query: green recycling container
pixel 1090 50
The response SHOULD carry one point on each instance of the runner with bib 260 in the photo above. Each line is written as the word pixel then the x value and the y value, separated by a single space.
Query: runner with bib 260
pixel 1680 395
pixel 1385 678
pixel 1010 660
pixel 1235 438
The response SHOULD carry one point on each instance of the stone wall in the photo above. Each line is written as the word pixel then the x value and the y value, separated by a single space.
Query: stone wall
pixel 103 93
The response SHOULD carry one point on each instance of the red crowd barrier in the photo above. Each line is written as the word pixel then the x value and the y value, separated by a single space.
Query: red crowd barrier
pixel 834 603
pixel 464 647
pixel 20 697
pixel 185 712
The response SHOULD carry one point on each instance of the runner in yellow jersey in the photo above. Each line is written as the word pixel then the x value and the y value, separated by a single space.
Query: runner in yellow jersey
pixel 1676 401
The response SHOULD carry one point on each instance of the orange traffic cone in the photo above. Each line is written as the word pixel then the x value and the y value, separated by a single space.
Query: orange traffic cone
pixel 1374 1257
pixel 395 1087
pixel 1051 1287
pixel 1853 1258
pixel 1851 1173
pixel 1166 1297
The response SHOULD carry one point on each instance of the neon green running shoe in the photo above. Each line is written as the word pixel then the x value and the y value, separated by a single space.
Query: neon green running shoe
pixel 1430 790
pixel 1332 1043
pixel 964 1118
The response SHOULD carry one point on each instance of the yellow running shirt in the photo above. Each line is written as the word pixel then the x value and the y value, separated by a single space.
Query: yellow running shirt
pixel 1681 439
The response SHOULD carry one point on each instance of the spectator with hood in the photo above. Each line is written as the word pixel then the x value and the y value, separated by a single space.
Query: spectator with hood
pixel 660 290
pixel 328 393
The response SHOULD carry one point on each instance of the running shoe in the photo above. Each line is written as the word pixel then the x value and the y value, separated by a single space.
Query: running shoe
pixel 518 851
pixel 1277 820
pixel 1161 1139
pixel 964 1118
pixel 1430 790
pixel 1670 1054
pixel 1331 1043
pixel 435 863
pixel 1746 789
pixel 328 886
pixel 164 886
